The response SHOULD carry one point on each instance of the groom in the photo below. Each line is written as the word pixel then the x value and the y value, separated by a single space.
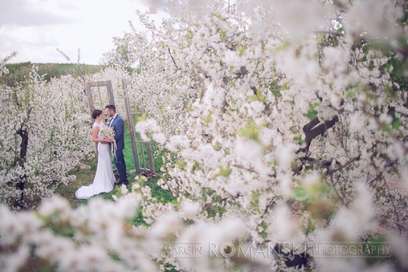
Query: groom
pixel 116 122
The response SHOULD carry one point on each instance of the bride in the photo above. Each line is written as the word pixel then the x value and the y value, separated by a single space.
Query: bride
pixel 104 179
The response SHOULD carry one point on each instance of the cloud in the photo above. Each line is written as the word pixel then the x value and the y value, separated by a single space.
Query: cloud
pixel 30 13
pixel 91 26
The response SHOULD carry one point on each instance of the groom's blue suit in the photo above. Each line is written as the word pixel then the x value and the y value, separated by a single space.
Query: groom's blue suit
pixel 118 126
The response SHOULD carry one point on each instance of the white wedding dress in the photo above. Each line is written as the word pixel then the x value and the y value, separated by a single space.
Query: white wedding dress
pixel 104 180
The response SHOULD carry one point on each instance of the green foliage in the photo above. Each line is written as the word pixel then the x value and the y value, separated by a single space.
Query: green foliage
pixel 114 256
pixel 158 155
pixel 298 138
pixel 217 146
pixel 282 46
pixel 48 268
pixel 351 92
pixel 255 200
pixel 396 65
pixel 196 166
pixel 215 210
pixel 214 202
pixel 374 249
pixel 312 111
pixel 223 35
pixel 263 230
pixel 331 39
pixel 207 119
pixel 19 72
pixel 311 226
pixel 241 50
pixel 276 89
pixel 127 152
pixel 142 149
pixel 170 268
pixel 224 171
pixel 162 195
pixel 57 226
pixel 318 199
pixel 299 193
pixel 83 177
pixel 189 35
pixel 312 192
pixel 138 219
pixel 393 126
pixel 250 131
pixel 141 117
pixel 398 71
pixel 258 96
pixel 396 123
pixel 181 164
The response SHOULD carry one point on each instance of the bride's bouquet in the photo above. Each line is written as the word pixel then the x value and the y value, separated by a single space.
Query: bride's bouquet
pixel 107 132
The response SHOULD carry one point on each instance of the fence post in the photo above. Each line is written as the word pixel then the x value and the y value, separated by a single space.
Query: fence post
pixel 131 128
pixel 110 92
pixel 150 156
pixel 89 96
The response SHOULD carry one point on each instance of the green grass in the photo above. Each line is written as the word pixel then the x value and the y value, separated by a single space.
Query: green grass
pixel 83 177
pixel 127 153
pixel 86 176
pixel 162 195
pixel 138 219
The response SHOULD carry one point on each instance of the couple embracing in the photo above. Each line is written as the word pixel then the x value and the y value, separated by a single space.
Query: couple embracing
pixel 106 135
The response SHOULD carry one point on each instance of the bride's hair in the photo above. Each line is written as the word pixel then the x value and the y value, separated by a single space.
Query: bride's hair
pixel 96 114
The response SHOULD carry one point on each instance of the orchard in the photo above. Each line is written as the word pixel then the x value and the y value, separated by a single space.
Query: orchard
pixel 281 144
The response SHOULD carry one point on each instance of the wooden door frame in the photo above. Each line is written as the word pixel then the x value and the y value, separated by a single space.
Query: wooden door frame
pixel 129 117
pixel 93 84
pixel 131 128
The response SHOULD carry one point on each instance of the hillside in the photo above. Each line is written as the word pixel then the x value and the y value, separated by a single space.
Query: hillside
pixel 19 71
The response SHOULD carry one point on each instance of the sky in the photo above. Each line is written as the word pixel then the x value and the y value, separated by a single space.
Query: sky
pixel 36 28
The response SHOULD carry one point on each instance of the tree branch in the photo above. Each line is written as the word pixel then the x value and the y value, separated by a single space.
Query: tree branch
pixel 314 129
pixel 172 58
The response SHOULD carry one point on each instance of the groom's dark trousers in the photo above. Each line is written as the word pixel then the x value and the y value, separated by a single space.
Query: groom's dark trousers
pixel 118 126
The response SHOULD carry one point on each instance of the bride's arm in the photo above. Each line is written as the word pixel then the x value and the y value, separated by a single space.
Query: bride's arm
pixel 94 135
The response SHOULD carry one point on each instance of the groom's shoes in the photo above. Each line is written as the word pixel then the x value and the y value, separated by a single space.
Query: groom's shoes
pixel 124 189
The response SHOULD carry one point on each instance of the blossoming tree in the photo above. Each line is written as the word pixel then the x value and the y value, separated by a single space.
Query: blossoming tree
pixel 44 135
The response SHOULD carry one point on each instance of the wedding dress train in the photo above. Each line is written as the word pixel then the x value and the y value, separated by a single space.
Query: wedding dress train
pixel 104 179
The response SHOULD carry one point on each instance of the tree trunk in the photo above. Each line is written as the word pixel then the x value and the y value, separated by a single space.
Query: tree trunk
pixel 315 128
pixel 23 133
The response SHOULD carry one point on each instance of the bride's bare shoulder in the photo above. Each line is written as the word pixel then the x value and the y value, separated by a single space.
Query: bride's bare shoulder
pixel 96 125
